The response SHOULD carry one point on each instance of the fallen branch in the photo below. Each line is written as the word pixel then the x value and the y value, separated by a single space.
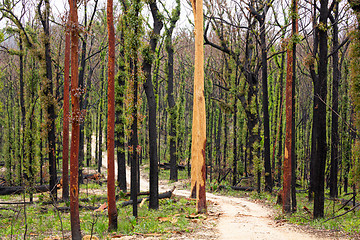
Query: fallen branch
pixel 95 176
pixel 12 209
pixel 167 166
pixel 6 190
pixel 352 209
pixel 161 196
pixel 139 194
pixel 247 189
pixel 15 203
pixel 66 209
pixel 242 178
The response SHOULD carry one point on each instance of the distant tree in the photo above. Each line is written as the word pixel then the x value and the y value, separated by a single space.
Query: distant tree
pixel 47 95
pixel 170 92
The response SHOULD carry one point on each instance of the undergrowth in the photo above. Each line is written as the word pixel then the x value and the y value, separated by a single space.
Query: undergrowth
pixel 43 220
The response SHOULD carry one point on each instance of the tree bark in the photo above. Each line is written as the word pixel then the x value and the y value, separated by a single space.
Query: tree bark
pixel 198 169
pixel 112 211
pixel 120 117
pixel 267 161
pixel 76 114
pixel 152 119
pixel 48 97
pixel 320 138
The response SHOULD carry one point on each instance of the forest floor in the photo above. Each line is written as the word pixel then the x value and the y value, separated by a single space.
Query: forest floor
pixel 239 218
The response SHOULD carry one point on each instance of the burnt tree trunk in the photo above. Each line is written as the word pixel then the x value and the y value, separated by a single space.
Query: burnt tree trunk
pixel 170 95
pixel 152 119
pixel 48 97
pixel 120 119
pixel 320 93
pixel 335 108
pixel 65 166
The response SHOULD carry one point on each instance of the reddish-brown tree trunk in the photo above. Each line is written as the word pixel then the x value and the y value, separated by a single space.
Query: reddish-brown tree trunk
pixel 198 169
pixel 289 154
pixel 288 136
pixel 76 117
pixel 112 212
pixel 65 166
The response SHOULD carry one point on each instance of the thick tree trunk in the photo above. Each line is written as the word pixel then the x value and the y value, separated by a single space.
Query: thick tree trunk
pixel 152 119
pixel 112 211
pixel 289 135
pixel 74 164
pixel 48 97
pixel 198 169
pixel 320 138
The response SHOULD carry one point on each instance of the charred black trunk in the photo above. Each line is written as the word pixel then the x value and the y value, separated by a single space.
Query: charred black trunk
pixel 149 90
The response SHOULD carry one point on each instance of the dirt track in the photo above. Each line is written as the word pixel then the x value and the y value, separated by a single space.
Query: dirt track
pixel 241 218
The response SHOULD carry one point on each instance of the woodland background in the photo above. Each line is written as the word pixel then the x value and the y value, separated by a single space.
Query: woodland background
pixel 247 45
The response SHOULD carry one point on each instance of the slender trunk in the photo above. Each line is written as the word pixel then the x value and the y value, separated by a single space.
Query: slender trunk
pixel 65 166
pixel 82 86
pixel 120 118
pixel 293 135
pixel 335 108
pixel 235 160
pixel 280 151
pixel 217 146
pixel 100 120
pixel 171 109
pixel 267 161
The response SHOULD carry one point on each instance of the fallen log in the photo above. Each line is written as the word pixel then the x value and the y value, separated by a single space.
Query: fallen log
pixel 94 176
pixel 11 209
pixel 123 204
pixel 166 166
pixel 128 194
pixel 6 190
pixel 15 203
pixel 247 189
pixel 167 194
pixel 66 209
